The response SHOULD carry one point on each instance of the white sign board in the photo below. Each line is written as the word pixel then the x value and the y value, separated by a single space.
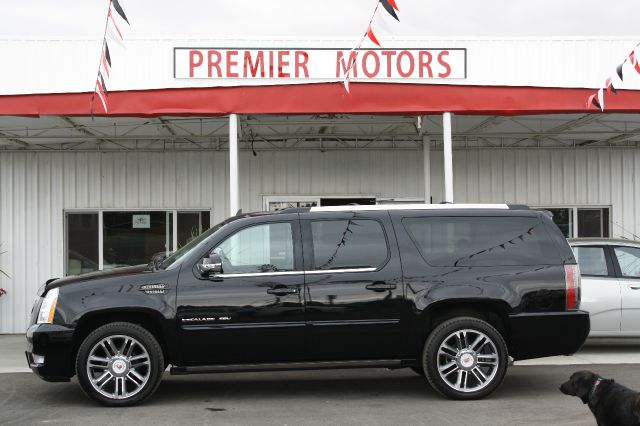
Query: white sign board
pixel 319 63
pixel 142 221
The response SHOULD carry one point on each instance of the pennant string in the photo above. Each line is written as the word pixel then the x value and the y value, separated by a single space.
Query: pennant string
pixel 100 87
pixel 356 49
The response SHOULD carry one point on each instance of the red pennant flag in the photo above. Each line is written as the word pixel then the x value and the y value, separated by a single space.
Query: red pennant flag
pixel 372 37
pixel 393 4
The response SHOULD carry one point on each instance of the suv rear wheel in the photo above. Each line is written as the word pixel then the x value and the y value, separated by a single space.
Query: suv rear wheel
pixel 465 358
pixel 119 364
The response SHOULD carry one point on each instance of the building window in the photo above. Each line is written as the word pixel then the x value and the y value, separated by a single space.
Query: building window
pixel 581 221
pixel 109 239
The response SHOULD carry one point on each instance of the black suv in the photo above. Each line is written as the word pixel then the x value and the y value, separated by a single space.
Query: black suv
pixel 450 291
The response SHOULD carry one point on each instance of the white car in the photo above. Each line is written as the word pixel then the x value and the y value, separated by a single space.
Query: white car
pixel 610 271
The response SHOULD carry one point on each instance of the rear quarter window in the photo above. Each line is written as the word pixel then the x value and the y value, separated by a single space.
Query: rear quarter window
pixel 482 241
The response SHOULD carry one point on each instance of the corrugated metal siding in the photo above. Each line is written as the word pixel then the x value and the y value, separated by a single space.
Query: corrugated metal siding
pixel 36 188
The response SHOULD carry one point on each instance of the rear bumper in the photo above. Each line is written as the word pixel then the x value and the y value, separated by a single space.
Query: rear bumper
pixel 55 344
pixel 536 335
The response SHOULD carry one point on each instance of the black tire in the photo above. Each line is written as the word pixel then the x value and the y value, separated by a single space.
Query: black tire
pixel 494 374
pixel 152 369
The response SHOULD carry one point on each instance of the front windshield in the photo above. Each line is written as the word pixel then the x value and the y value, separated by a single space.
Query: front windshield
pixel 195 244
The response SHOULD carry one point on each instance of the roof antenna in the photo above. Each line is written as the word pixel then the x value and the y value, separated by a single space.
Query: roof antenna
pixel 239 212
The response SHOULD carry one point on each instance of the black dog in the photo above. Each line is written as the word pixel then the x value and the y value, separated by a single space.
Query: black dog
pixel 611 403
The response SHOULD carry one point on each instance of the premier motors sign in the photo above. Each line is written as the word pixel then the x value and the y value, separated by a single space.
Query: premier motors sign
pixel 319 64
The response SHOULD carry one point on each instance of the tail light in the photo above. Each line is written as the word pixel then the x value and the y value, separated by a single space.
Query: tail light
pixel 572 282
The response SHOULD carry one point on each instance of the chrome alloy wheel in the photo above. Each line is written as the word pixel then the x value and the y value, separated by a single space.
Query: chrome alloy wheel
pixel 118 367
pixel 467 360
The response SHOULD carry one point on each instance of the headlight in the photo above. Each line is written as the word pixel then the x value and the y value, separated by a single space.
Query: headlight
pixel 48 307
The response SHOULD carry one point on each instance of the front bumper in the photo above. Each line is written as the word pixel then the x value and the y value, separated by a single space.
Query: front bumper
pixel 55 344
pixel 536 335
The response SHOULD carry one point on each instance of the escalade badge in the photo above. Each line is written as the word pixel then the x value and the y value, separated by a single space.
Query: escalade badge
pixel 154 288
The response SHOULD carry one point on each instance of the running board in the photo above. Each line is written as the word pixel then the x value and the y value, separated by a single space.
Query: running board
pixel 288 366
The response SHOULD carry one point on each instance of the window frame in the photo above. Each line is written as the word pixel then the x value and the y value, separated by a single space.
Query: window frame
pixel 310 267
pixel 611 269
pixel 172 212
pixel 616 263
pixel 295 238
pixel 573 210
pixel 417 246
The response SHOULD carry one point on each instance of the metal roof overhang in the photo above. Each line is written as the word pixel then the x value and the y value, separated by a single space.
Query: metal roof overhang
pixel 317 131
pixel 323 98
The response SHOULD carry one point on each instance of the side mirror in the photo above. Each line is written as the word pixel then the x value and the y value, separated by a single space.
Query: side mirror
pixel 210 265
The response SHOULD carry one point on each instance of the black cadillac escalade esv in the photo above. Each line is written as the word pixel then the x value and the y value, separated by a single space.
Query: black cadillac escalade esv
pixel 450 291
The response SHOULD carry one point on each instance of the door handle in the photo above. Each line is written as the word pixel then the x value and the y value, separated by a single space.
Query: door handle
pixel 634 286
pixel 380 286
pixel 282 291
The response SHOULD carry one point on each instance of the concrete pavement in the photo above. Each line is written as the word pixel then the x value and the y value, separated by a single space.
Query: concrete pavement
pixel 529 396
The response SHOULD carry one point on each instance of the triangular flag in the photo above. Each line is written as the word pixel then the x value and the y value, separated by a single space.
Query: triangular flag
pixel 393 4
pixel 104 65
pixel 601 99
pixel 114 37
pixel 113 21
pixel 387 6
pixel 345 82
pixel 590 101
pixel 119 9
pixel 101 96
pixel 106 53
pixel 619 71
pixel 372 37
pixel 104 86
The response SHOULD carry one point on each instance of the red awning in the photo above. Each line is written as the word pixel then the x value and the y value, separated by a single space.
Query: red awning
pixel 371 98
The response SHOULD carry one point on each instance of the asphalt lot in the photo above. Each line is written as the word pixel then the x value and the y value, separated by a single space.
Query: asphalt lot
pixel 529 396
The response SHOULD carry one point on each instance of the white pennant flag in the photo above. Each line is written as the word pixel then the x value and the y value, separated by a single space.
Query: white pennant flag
pixel 601 99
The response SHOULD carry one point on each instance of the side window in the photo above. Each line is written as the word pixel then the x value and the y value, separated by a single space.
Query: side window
pixel 260 248
pixel 482 241
pixel 354 243
pixel 591 260
pixel 629 260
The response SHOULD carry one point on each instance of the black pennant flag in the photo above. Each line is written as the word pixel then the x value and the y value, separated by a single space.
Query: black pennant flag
pixel 387 6
pixel 104 86
pixel 595 102
pixel 619 70
pixel 119 9
pixel 106 53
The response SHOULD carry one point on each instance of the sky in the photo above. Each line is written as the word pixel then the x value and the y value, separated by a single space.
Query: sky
pixel 323 18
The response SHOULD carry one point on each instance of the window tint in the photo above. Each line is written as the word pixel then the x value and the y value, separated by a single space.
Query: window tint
pixel 591 260
pixel 629 260
pixel 339 244
pixel 482 241
pixel 260 248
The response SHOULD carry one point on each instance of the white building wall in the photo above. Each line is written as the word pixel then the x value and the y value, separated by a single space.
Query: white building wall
pixel 37 187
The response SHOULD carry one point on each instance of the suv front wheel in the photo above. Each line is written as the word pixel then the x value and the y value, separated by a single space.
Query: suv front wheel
pixel 119 364
pixel 465 358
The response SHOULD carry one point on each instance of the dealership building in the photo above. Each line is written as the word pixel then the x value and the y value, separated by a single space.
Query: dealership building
pixel 197 129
